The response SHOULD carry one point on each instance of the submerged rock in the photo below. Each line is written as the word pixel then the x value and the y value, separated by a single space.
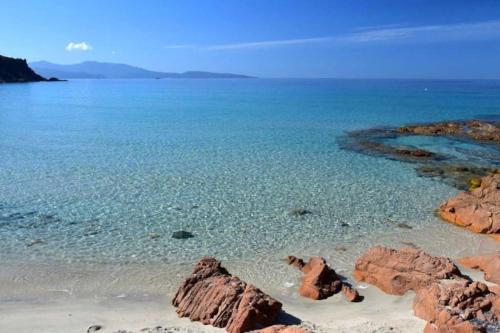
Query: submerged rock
pixel 490 265
pixel 477 210
pixel 458 307
pixel 299 212
pixel 319 280
pixel 460 176
pixel 448 168
pixel 181 234
pixel 395 272
pixel 214 297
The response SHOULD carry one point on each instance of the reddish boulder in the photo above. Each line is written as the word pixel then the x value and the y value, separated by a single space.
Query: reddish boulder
pixel 282 329
pixel 457 307
pixel 214 297
pixel 490 265
pixel 477 210
pixel 350 293
pixel 396 272
pixel 319 280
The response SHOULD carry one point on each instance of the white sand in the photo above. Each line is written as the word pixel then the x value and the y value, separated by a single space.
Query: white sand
pixel 65 298
pixel 67 314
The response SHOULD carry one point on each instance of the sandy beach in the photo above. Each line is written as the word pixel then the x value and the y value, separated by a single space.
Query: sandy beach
pixel 71 298
pixel 54 313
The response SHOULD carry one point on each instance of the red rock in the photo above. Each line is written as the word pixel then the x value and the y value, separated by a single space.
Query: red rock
pixel 456 307
pixel 282 329
pixel 214 297
pixel 490 265
pixel 396 272
pixel 350 293
pixel 477 210
pixel 319 280
pixel 475 129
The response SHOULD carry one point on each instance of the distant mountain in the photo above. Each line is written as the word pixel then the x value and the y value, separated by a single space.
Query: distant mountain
pixel 17 70
pixel 104 70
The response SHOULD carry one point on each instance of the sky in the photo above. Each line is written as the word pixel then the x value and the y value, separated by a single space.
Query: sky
pixel 436 39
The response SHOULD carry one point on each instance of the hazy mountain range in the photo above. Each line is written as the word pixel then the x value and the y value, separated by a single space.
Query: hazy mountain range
pixel 104 70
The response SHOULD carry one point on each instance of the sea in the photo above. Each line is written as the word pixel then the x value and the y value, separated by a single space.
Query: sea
pixel 103 172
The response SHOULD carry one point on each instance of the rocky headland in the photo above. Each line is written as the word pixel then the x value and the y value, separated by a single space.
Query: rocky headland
pixel 14 70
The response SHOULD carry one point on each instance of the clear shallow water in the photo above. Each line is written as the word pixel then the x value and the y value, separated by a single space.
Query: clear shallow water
pixel 92 168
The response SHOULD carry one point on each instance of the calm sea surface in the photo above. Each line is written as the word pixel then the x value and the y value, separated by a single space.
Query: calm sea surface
pixel 104 171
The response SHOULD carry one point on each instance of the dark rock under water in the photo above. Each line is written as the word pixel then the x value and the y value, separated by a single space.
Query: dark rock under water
pixel 461 170
pixel 181 234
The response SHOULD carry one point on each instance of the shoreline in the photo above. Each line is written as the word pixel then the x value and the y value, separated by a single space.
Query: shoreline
pixel 379 312
pixel 133 297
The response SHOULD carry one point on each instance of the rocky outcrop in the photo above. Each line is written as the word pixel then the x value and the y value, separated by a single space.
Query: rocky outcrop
pixel 214 297
pixel 490 265
pixel 460 171
pixel 473 129
pixel 282 329
pixel 319 280
pixel 395 272
pixel 477 210
pixel 457 307
pixel 17 70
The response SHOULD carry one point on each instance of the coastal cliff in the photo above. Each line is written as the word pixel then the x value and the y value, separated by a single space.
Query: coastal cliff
pixel 17 70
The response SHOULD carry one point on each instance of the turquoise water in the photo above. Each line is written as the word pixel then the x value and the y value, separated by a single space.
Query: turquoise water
pixel 90 169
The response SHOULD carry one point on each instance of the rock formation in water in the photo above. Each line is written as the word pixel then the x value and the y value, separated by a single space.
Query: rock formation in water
pixel 319 280
pixel 473 129
pixel 477 210
pixel 460 172
pixel 214 297
pixel 17 70
pixel 490 265
pixel 395 272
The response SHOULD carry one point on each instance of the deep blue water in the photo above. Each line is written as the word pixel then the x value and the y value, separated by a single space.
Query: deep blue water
pixel 90 169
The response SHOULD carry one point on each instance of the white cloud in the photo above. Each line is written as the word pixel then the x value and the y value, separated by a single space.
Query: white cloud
pixel 387 33
pixel 83 46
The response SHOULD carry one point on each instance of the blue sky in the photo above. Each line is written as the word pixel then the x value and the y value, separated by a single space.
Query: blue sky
pixel 272 38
